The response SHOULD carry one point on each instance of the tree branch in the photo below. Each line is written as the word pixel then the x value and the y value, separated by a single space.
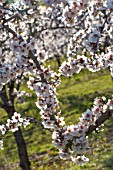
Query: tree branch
pixel 100 121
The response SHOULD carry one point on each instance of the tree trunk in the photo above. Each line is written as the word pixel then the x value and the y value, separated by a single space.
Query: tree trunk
pixel 10 109
pixel 22 150
pixel 58 60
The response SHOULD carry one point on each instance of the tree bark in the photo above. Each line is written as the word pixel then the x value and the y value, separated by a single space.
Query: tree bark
pixel 22 150
pixel 106 115
pixel 58 60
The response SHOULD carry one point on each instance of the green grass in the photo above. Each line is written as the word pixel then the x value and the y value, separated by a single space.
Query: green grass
pixel 75 94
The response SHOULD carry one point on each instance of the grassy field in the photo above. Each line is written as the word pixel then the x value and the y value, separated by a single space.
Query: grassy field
pixel 75 94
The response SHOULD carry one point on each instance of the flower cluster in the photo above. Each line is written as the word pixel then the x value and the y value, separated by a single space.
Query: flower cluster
pixel 91 43
pixel 93 64
pixel 80 159
pixel 28 3
pixel 8 72
pixel 14 123
pixel 1 145
pixel 23 4
pixel 75 43
pixel 52 2
pixel 71 11
pixel 71 140
pixel 41 56
pixel 110 104
pixel 22 47
pixel 91 28
pixel 46 98
pixel 20 95
pixel 23 63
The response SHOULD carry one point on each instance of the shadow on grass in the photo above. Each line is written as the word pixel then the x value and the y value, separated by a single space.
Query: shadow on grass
pixel 79 104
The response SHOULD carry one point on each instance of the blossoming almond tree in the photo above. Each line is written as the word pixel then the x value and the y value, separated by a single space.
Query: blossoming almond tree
pixel 93 22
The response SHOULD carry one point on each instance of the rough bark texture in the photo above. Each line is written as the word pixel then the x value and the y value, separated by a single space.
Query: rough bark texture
pixel 22 150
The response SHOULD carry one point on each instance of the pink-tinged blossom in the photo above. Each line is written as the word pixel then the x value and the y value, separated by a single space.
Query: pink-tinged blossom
pixel 96 111
pixel 59 144
pixel 3 129
pixel 60 120
pixel 110 104
pixel 52 2
pixel 64 154
pixel 79 159
pixel 99 101
pixel 88 115
pixel 25 122
pixel 94 37
pixel 41 56
pixel 16 117
pixel 41 103
pixel 80 145
pixel 1 145
pixel 47 123
pixel 109 58
pixel 14 45
pixel 12 126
